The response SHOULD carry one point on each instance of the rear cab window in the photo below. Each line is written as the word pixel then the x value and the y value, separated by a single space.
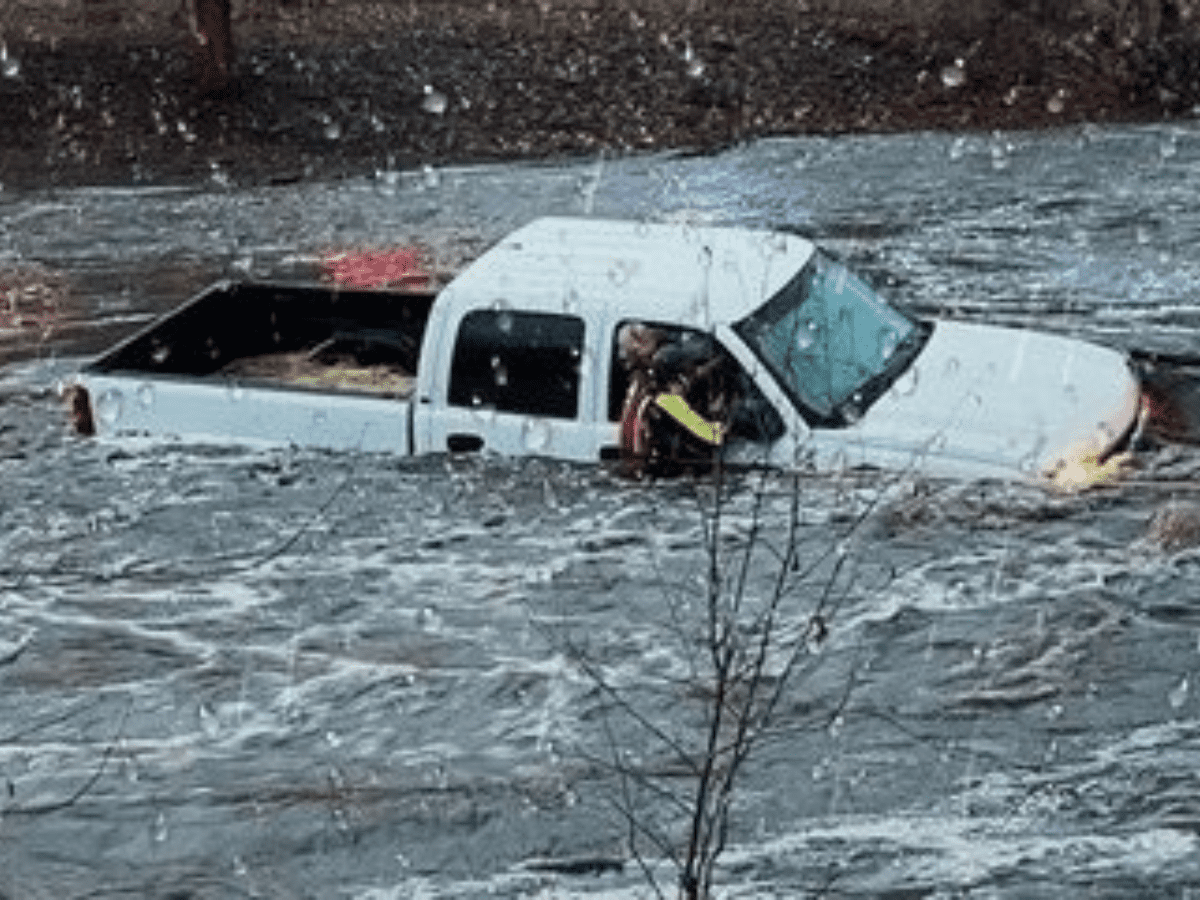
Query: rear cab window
pixel 518 362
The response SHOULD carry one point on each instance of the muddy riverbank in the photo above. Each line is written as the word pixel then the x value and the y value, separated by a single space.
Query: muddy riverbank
pixel 96 92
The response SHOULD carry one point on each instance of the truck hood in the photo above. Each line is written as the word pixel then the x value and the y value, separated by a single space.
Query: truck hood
pixel 983 400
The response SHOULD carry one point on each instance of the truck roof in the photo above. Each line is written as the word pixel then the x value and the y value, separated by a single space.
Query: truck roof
pixel 697 276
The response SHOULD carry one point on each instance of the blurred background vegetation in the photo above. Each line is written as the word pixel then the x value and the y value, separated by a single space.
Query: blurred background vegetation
pixel 1121 21
pixel 162 89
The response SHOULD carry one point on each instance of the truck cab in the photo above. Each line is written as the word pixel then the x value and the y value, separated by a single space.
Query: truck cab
pixel 523 357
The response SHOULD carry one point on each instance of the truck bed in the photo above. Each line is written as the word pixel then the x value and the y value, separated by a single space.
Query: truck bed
pixel 269 363
pixel 361 340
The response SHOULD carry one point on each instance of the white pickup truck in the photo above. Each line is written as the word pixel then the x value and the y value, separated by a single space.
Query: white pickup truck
pixel 518 354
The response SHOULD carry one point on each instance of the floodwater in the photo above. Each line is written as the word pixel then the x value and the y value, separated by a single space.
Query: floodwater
pixel 235 673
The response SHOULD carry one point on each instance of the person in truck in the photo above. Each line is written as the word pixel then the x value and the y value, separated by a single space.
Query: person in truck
pixel 676 405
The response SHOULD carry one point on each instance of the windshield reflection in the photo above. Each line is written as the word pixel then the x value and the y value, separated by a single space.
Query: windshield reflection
pixel 832 342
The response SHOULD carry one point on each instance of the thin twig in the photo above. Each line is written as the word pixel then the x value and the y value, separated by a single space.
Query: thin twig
pixel 634 824
pixel 75 797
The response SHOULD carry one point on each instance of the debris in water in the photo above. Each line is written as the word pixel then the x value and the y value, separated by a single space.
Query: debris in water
pixel 1084 466
pixel 1175 526
pixel 375 268
pixel 31 296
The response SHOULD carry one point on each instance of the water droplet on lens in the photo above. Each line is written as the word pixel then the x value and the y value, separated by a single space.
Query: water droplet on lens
pixel 906 386
pixel 852 409
pixel 499 372
pixel 160 829
pixel 1179 694
pixel 888 340
pixel 434 102
pixel 504 321
pixel 428 619
pixel 536 435
pixel 9 65
pixel 618 273
pixel 209 722
pixel 806 336
pixel 109 405
pixel 333 131
pixel 218 175
pixel 954 76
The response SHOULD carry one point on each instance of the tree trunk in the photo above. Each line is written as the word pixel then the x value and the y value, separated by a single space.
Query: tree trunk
pixel 213 34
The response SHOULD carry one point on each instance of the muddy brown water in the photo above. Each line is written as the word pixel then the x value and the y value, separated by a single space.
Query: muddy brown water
pixel 287 673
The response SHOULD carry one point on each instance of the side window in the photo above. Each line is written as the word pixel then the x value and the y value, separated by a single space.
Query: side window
pixel 717 385
pixel 518 362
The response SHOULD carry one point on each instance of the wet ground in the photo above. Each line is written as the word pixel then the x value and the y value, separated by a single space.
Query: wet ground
pixel 297 674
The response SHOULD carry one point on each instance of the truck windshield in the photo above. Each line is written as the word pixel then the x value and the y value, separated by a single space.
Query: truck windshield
pixel 833 343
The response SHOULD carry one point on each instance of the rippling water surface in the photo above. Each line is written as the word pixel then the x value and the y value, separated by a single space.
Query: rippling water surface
pixel 229 673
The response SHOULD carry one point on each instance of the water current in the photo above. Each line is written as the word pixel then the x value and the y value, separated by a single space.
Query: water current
pixel 287 673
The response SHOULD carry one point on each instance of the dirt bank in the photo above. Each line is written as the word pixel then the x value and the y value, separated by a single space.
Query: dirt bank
pixel 95 91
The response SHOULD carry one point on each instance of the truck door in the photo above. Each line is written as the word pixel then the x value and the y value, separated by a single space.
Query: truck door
pixel 518 385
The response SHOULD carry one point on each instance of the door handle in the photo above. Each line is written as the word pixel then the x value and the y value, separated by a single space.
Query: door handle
pixel 464 443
